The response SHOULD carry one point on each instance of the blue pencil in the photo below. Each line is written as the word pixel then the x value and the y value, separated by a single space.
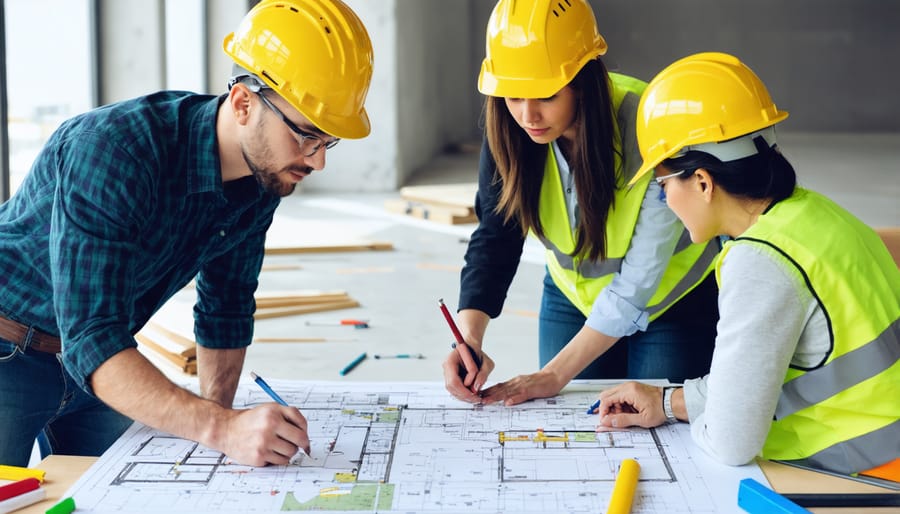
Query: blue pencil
pixel 354 363
pixel 271 392
pixel 265 387
pixel 593 407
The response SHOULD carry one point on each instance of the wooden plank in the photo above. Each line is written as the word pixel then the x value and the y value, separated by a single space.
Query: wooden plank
pixel 188 346
pixel 266 300
pixel 277 312
pixel 299 340
pixel 447 195
pixel 362 246
pixel 436 213
pixel 188 365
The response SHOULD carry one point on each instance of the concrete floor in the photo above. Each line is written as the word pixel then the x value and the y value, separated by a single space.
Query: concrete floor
pixel 398 290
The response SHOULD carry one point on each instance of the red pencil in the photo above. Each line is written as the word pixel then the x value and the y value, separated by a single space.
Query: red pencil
pixel 456 332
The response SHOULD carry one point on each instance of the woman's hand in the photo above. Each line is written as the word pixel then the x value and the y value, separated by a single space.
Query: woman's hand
pixel 631 404
pixel 461 378
pixel 522 388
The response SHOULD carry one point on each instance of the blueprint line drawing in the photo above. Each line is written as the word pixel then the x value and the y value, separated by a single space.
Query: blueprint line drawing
pixel 411 447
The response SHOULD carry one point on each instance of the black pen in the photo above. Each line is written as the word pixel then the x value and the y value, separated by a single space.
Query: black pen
pixel 845 499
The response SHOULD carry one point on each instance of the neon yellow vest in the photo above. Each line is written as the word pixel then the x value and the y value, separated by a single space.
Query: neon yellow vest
pixel 582 279
pixel 843 415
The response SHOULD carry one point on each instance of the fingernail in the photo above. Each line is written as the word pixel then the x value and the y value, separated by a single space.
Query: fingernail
pixel 615 422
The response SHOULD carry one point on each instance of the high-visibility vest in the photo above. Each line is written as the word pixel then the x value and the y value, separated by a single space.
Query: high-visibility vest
pixel 582 279
pixel 844 413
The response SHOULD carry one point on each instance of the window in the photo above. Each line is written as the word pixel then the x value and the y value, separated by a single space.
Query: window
pixel 49 73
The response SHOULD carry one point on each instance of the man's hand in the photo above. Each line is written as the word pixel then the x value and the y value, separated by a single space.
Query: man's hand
pixel 631 404
pixel 267 434
pixel 522 388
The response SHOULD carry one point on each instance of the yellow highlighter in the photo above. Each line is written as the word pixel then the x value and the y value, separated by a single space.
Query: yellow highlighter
pixel 623 491
pixel 17 473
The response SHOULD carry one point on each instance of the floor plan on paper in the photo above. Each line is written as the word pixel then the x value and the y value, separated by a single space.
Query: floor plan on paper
pixel 383 447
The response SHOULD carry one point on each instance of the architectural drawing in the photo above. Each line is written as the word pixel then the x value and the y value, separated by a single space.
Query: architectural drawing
pixel 387 447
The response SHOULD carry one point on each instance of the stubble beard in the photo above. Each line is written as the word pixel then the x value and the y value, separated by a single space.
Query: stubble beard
pixel 268 179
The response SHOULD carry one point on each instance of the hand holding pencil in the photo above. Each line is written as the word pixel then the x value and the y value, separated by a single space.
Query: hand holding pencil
pixel 466 368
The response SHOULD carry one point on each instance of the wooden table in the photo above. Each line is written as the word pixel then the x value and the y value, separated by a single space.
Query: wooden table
pixel 63 471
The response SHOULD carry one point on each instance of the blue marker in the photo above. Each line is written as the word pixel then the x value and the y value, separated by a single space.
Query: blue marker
pixel 593 407
pixel 265 387
pixel 354 363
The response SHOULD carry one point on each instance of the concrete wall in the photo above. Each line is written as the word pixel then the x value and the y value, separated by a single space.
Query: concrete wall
pixel 420 100
pixel 830 63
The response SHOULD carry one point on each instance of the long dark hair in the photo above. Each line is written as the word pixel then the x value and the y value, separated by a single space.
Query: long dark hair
pixel 764 175
pixel 520 161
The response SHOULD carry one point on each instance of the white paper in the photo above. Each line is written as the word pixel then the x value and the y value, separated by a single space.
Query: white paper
pixel 411 447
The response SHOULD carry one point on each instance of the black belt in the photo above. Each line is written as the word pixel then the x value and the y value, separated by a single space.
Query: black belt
pixel 19 334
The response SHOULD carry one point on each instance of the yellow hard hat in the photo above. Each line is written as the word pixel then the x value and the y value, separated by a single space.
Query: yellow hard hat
pixel 533 49
pixel 706 99
pixel 316 54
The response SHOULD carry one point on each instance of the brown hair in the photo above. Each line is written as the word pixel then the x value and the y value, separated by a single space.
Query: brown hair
pixel 520 161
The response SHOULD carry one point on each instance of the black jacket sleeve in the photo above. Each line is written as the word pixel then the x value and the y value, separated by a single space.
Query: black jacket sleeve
pixel 495 247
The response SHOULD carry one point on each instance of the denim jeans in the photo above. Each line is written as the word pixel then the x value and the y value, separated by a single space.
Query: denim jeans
pixel 678 345
pixel 38 397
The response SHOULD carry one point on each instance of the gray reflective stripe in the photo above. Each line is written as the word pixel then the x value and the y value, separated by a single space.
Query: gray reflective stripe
pixel 631 154
pixel 596 269
pixel 587 269
pixel 691 278
pixel 684 241
pixel 860 453
pixel 840 374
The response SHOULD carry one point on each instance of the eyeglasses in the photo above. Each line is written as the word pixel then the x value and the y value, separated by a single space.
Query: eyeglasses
pixel 660 180
pixel 309 143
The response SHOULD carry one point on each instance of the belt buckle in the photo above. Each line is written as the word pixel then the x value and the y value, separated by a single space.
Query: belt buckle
pixel 22 343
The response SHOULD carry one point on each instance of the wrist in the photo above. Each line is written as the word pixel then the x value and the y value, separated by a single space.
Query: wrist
pixel 554 377
pixel 668 409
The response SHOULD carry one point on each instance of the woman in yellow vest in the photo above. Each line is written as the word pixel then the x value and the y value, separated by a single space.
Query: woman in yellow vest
pixel 807 359
pixel 560 151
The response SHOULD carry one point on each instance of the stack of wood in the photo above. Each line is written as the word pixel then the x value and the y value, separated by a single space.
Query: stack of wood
pixel 451 204
pixel 181 350
pixel 172 346
pixel 301 302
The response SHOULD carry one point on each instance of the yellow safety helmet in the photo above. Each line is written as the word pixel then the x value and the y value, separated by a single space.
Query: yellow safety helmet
pixel 533 49
pixel 703 102
pixel 316 54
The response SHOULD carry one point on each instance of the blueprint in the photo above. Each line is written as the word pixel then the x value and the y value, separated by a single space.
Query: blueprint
pixel 411 447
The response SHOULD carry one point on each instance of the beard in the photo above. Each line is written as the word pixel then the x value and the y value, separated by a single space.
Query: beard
pixel 270 180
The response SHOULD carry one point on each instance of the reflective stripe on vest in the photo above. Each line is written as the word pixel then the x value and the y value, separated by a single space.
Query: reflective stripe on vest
pixel 859 453
pixel 844 414
pixel 841 373
pixel 581 280
pixel 607 267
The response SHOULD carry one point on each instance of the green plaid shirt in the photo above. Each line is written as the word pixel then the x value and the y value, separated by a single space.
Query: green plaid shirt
pixel 124 206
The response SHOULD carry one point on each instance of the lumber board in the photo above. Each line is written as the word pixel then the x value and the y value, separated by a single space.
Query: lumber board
pixel 188 347
pixel 276 312
pixel 447 195
pixel 188 365
pixel 360 246
pixel 436 213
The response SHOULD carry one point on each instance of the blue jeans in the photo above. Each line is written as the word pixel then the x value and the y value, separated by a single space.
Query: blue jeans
pixel 678 345
pixel 38 397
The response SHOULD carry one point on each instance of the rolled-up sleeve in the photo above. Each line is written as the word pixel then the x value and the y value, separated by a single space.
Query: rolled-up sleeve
pixel 621 308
